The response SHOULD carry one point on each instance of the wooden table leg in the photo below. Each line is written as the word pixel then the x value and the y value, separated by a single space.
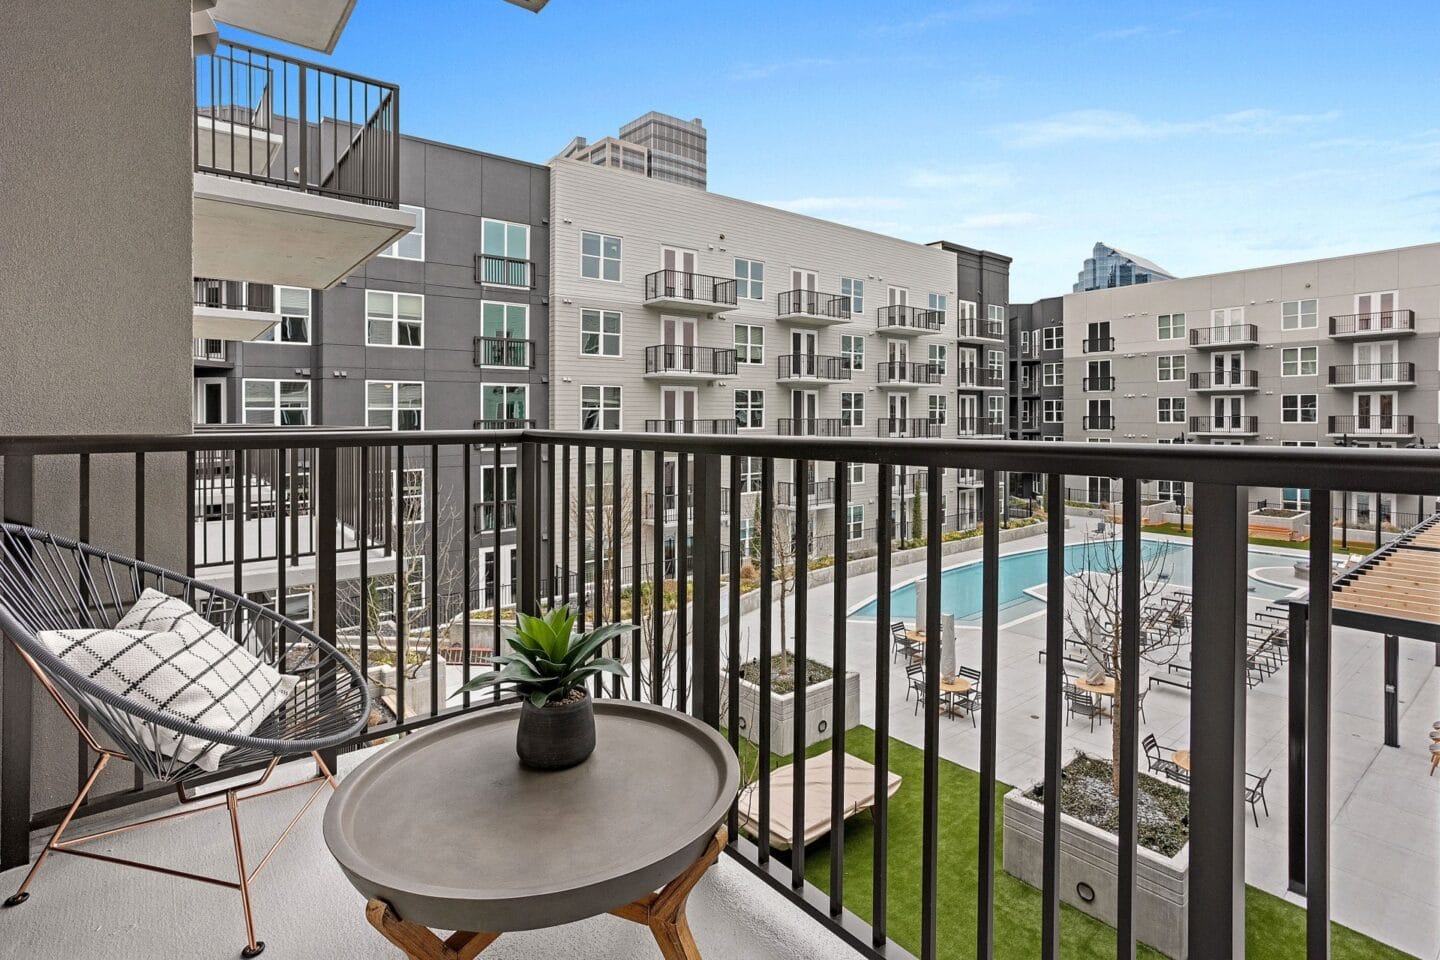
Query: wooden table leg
pixel 664 912
pixel 419 942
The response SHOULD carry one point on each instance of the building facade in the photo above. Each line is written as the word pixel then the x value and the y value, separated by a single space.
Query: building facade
pixel 654 145
pixel 1036 384
pixel 1108 267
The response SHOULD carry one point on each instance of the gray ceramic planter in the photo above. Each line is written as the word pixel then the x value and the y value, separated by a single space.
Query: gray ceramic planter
pixel 555 736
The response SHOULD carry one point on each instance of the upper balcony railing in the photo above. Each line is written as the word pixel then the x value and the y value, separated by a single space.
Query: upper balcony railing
pixel 1097 344
pixel 497 271
pixel 904 372
pixel 1229 335
pixel 979 427
pixel 1226 423
pixel 1097 384
pixel 979 328
pixel 813 306
pixel 1225 380
pixel 676 287
pixel 1373 375
pixel 695 425
pixel 977 377
pixel 504 352
pixel 362 503
pixel 677 358
pixel 1376 323
pixel 208 350
pixel 1098 421
pixel 1372 424
pixel 908 427
pixel 903 318
pixel 810 366
pixel 817 492
pixel 284 122
pixel 812 427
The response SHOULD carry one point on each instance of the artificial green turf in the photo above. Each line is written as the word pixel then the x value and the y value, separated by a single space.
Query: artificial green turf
pixel 1275 929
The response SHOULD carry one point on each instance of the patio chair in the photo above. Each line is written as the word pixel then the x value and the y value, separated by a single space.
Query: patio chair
pixel 48 582
pixel 900 641
pixel 1158 758
pixel 1080 703
pixel 1255 793
pixel 971 700
pixel 915 683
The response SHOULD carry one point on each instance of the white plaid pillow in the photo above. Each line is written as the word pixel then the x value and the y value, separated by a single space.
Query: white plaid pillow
pixel 165 655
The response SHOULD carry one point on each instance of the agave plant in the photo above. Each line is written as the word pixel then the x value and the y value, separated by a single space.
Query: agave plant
pixel 546 663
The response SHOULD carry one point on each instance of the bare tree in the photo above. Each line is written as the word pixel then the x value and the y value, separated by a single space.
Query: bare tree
pixel 1093 615
pixel 781 538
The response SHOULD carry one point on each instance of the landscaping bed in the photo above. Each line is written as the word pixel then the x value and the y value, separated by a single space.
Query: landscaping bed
pixel 1162 809
pixel 782 680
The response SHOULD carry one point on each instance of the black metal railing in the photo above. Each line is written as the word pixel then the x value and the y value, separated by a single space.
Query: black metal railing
pixel 691 425
pixel 908 427
pixel 1098 422
pixel 1224 380
pixel 284 122
pixel 695 288
pixel 665 506
pixel 1228 335
pixel 683 359
pixel 485 514
pixel 810 366
pixel 504 352
pixel 497 271
pixel 1229 423
pixel 1374 323
pixel 969 375
pixel 1372 374
pixel 902 371
pixel 1398 424
pixel 976 328
pixel 817 492
pixel 979 427
pixel 812 303
pixel 234 295
pixel 1097 384
pixel 209 351
pixel 812 427
pixel 1097 344
pixel 579 540
pixel 900 317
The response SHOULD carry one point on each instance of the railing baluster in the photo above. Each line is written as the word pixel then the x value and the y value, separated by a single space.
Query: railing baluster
pixel 682 582
pixel 617 529
pixel 706 672
pixel 930 814
pixel 363 588
pixel 281 587
pixel 989 672
pixel 637 572
pixel 582 581
pixel 599 521
pixel 881 855
pixel 1054 670
pixel 1317 746
pixel 732 657
pixel 800 667
pixel 498 577
pixel 553 504
pixel 657 587
pixel 1129 718
pixel 563 505
pixel 767 631
pixel 838 686
pixel 437 670
pixel 400 600
pixel 466 559
pixel 324 492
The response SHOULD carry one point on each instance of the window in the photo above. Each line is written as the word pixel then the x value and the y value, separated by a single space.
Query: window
pixel 1299 408
pixel 1298 362
pixel 936 301
pixel 750 474
pixel 1298 315
pixel 1097 413
pixel 937 409
pixel 412 245
pixel 852 409
pixel 1054 338
pixel 1223 316
pixel 855 290
pixel 394 319
pixel 750 409
pixel 995 313
pixel 1054 411
pixel 504 405
pixel 996 405
pixel 1296 498
pixel 600 408
pixel 600 333
pixel 937 358
pixel 1024 341
pixel 1170 326
pixel 857 473
pixel 855 521
pixel 412 494
pixel 276 403
pixel 504 327
pixel 505 253
pixel 293 305
pixel 996 361
pixel 747 538
pixel 749 343
pixel 508 497
pixel 1173 490
pixel 414 587
pixel 600 257
pixel 852 352
pixel 395 404
pixel 1170 366
pixel 1052 374
pixel 1170 410
pixel 749 279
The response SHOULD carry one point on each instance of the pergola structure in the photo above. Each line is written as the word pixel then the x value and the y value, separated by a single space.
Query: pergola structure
pixel 1395 592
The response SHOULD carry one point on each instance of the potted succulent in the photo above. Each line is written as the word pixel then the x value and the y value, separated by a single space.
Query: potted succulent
pixel 548 668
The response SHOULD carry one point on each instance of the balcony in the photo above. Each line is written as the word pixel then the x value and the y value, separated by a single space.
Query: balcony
pixel 812 427
pixel 297 170
pixel 1225 426
pixel 900 373
pixel 1231 335
pixel 666 506
pixel 970 377
pixel 812 368
pixel 233 309
pixel 1375 325
pixel 689 292
pixel 1225 381
pixel 1097 384
pixel 211 353
pixel 896 427
pixel 977 330
pixel 694 425
pixel 749 907
pixel 504 352
pixel 1097 422
pixel 1097 345
pixel 1372 425
pixel 979 427
pixel 674 363
pixel 818 493
pixel 899 319
pixel 812 308
pixel 492 270
pixel 1363 376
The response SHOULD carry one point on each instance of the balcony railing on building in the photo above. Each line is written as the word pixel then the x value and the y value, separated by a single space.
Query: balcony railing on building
pixel 979 378
pixel 682 290
pixel 504 352
pixel 1097 344
pixel 497 271
pixel 1235 424
pixel 908 427
pixel 905 373
pixel 979 427
pixel 691 425
pixel 979 328
pixel 811 366
pixel 1098 422
pixel 812 427
pixel 1376 323
pixel 210 352
pixel 665 506
pixel 1228 335
pixel 812 306
pixel 273 119
pixel 817 492
pixel 900 318
pixel 675 358
pixel 484 515
pixel 1227 380
pixel 1372 424
pixel 1097 384
pixel 1372 375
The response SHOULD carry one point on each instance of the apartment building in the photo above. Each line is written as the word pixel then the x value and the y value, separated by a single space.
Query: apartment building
pixel 1340 351
pixel 679 310
pixel 653 145
pixel 1036 382
pixel 445 329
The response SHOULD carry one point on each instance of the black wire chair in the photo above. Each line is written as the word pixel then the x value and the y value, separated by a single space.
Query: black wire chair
pixel 49 582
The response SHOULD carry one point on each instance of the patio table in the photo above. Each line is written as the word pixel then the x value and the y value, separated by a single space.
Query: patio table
pixel 951 686
pixel 446 830
pixel 1182 759
pixel 1105 688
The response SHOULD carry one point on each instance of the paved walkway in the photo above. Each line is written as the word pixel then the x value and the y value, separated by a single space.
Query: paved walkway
pixel 1385 840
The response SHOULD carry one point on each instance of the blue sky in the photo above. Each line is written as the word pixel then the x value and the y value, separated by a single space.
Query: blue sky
pixel 1206 137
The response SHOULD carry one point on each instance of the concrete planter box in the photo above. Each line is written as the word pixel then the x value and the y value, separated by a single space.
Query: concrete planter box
pixel 819 712
pixel 417 685
pixel 1296 527
pixel 1088 858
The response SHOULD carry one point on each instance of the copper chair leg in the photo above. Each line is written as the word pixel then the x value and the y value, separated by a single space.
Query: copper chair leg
pixel 22 894
pixel 253 947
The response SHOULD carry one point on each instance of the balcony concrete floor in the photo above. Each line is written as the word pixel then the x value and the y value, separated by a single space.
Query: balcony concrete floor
pixel 306 910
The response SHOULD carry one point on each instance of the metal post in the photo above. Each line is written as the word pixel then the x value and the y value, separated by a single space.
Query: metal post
pixel 1217 724
pixel 15 726
pixel 1317 746
pixel 1392 690
pixel 1299 619
pixel 705 671
pixel 325 490
pixel 532 513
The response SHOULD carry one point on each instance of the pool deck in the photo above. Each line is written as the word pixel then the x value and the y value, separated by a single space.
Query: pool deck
pixel 1385 832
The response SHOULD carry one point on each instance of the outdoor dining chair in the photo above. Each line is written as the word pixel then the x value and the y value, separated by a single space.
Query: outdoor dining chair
pixel 1255 793
pixel 1080 703
pixel 50 583
pixel 1159 759
pixel 915 683
pixel 971 700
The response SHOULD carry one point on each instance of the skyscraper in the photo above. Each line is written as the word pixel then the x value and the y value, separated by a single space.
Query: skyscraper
pixel 1109 267
pixel 657 145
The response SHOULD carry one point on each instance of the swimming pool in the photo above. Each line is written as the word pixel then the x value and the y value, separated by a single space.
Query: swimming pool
pixel 960 587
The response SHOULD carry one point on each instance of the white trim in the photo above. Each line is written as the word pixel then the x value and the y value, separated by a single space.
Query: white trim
pixel 619 407
pixel 392 252
pixel 619 261
pixel 619 336
pixel 394 401
pixel 394 319
pixel 524 335
pixel 487 384
pixel 507 223
pixel 275 396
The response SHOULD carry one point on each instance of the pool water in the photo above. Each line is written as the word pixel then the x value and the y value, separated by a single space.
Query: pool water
pixel 960 587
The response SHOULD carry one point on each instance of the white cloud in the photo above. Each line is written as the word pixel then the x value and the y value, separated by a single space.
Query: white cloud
pixel 1114 125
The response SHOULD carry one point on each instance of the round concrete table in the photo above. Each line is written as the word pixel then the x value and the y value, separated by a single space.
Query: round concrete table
pixel 447 830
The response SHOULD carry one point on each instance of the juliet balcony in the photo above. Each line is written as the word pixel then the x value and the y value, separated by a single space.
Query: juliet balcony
pixel 901 373
pixel 1238 335
pixel 689 292
pixel 514 352
pixel 812 368
pixel 1225 381
pixel 297 168
pixel 695 425
pixel 673 362
pixel 900 319
pixel 812 308
pixel 1366 376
